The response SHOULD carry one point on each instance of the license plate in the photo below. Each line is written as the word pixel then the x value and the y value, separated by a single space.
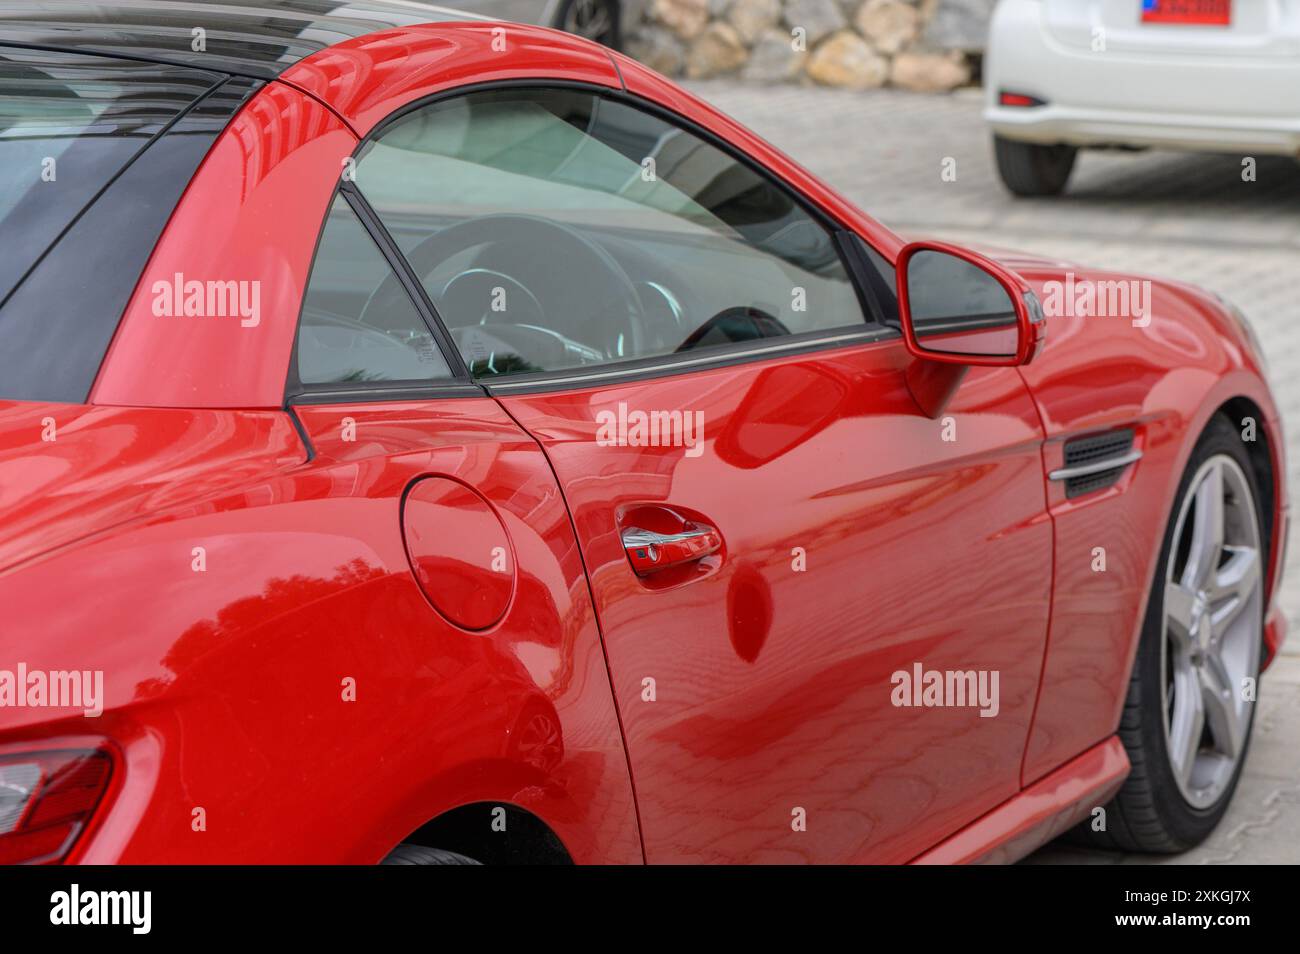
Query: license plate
pixel 1190 12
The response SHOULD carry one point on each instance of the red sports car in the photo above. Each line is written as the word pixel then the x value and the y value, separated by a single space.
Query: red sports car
pixel 455 443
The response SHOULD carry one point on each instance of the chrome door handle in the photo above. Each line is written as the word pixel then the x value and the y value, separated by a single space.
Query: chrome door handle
pixel 649 551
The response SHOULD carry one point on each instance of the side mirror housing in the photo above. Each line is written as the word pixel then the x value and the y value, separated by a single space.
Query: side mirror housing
pixel 958 307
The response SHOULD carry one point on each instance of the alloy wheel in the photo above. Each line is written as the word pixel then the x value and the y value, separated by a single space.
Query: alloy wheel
pixel 593 19
pixel 1212 630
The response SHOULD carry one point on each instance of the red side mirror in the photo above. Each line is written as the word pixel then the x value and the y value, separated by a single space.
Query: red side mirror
pixel 959 307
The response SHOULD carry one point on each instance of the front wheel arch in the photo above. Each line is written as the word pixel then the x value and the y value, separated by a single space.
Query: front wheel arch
pixel 1264 469
pixel 1148 815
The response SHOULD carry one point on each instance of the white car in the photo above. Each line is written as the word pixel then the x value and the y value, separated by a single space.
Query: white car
pixel 1207 75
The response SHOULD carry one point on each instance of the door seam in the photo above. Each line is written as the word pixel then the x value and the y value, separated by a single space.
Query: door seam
pixel 600 630
pixel 1051 594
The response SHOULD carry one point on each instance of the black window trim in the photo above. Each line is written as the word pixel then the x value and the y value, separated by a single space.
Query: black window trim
pixel 848 244
pixel 871 285
pixel 394 392
pixel 668 365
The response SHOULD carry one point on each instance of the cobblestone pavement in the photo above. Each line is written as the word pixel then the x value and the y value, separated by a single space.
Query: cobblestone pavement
pixel 1186 216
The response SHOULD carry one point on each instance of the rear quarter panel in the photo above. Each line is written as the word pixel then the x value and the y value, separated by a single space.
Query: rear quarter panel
pixel 224 679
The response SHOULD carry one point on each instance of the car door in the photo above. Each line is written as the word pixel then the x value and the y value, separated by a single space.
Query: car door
pixel 782 548
pixel 461 605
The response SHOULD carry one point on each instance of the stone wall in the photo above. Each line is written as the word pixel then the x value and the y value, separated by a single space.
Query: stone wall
pixel 925 45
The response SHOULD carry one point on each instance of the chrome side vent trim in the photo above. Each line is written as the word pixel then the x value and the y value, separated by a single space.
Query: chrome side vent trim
pixel 1096 462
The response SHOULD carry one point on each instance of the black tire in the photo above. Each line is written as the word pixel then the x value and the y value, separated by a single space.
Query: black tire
pixel 578 18
pixel 1032 169
pixel 419 855
pixel 1150 813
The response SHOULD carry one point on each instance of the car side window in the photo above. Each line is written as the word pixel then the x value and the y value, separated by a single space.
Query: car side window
pixel 555 229
pixel 358 323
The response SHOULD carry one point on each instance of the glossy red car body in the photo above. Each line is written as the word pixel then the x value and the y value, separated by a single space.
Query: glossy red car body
pixel 224 688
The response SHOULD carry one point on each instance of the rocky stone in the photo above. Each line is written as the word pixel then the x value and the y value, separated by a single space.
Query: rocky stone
pixel 774 59
pixel 837 42
pixel 847 60
pixel 686 18
pixel 929 72
pixel 890 25
pixel 817 18
pixel 959 25
pixel 658 49
pixel 752 17
pixel 717 50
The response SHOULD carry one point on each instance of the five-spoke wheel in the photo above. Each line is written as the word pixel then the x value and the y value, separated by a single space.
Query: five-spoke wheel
pixel 1213 592
pixel 1191 698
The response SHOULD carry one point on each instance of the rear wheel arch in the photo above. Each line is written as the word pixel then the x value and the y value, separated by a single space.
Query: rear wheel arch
pixel 492 833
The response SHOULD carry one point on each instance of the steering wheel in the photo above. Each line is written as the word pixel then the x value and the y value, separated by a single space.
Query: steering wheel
pixel 732 325
pixel 604 281
pixel 335 345
pixel 470 288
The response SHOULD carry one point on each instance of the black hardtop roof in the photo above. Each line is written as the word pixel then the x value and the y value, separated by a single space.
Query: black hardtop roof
pixel 241 37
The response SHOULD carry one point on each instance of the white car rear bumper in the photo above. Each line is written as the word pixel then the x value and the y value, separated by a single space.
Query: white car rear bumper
pixel 1085 126
pixel 1208 101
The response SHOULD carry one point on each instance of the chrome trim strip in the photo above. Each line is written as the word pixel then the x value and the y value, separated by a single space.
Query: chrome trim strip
pixel 868 336
pixel 1096 467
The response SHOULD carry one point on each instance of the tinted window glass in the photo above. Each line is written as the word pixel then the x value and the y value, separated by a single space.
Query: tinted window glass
pixel 94 154
pixel 358 324
pixel 554 229
pixel 68 125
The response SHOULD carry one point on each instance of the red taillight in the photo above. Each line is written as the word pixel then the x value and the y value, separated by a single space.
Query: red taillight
pixel 46 801
pixel 1018 99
